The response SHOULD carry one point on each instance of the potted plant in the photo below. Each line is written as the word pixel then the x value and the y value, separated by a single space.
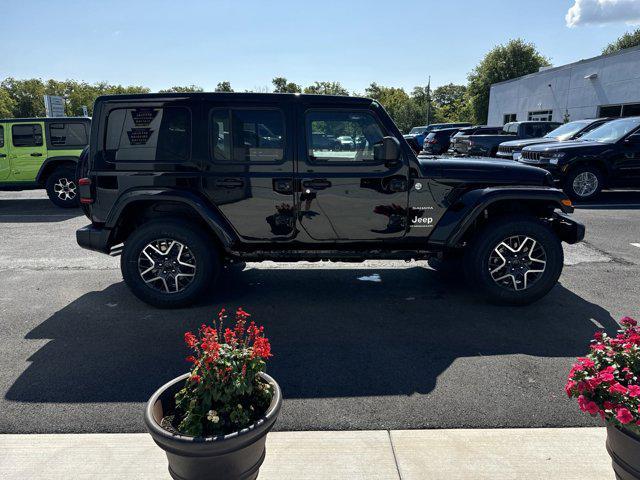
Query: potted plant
pixel 212 422
pixel 607 383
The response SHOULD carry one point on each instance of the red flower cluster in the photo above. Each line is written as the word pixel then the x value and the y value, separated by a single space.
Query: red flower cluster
pixel 607 381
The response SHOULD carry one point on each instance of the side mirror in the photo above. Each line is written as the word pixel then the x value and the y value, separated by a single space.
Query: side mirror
pixel 633 139
pixel 387 150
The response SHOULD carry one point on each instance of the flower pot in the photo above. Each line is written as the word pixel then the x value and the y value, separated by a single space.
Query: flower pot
pixel 624 448
pixel 237 455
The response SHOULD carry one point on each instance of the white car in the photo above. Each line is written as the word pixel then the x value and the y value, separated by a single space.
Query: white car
pixel 345 142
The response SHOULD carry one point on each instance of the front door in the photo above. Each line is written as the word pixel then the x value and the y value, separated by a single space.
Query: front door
pixel 628 162
pixel 249 174
pixel 343 192
pixel 27 151
pixel 5 166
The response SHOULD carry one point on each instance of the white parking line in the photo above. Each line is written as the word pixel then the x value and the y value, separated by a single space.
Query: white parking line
pixel 636 245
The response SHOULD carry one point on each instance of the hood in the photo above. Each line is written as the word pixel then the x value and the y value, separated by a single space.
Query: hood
pixel 574 145
pixel 528 142
pixel 482 172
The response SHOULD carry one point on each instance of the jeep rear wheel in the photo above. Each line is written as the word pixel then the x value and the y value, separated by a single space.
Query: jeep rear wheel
pixel 169 263
pixel 514 260
pixel 62 187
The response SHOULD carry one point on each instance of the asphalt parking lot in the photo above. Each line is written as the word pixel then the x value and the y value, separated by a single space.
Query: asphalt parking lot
pixel 382 345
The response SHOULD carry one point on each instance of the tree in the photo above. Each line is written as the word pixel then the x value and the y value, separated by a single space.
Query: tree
pixel 628 40
pixel 185 89
pixel 450 101
pixel 504 62
pixel 398 104
pixel 224 87
pixel 281 85
pixel 27 96
pixel 327 88
pixel 7 105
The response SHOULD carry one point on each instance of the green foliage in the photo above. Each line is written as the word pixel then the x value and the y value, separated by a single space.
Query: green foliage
pixel 7 105
pixel 451 104
pixel 185 89
pixel 224 87
pixel 628 40
pixel 326 88
pixel 504 62
pixel 281 85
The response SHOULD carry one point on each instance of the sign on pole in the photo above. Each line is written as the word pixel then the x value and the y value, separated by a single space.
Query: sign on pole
pixel 85 111
pixel 54 106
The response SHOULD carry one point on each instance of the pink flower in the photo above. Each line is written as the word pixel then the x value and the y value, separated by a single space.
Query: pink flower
pixel 634 390
pixel 628 321
pixel 623 415
pixel 569 386
pixel 617 388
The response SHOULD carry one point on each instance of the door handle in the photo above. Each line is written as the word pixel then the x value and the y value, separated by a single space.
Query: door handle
pixel 283 185
pixel 35 154
pixel 229 183
pixel 317 184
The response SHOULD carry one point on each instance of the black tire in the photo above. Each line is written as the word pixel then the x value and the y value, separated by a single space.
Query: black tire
pixel 570 183
pixel 62 187
pixel 199 247
pixel 478 256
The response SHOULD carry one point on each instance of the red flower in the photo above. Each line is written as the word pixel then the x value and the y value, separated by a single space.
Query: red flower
pixel 191 359
pixel 623 415
pixel 598 336
pixel 229 336
pixel 190 339
pixel 261 348
pixel 569 387
pixel 606 375
pixel 628 321
pixel 617 388
pixel 195 378
pixel 597 346
pixel 244 370
pixel 586 362
pixel 634 390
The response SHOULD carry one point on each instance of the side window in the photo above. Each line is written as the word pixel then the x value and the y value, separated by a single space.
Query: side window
pixel 27 135
pixel 1 136
pixel 68 134
pixel 148 134
pixel 247 135
pixel 341 136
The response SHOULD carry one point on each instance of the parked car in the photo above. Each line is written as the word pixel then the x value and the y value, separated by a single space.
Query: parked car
pixel 568 131
pixel 438 141
pixel 43 153
pixel 606 157
pixel 461 136
pixel 416 135
pixel 487 145
pixel 346 142
pixel 184 204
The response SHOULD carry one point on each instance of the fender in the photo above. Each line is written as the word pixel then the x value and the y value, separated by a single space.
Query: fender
pixel 461 215
pixel 51 160
pixel 600 161
pixel 216 222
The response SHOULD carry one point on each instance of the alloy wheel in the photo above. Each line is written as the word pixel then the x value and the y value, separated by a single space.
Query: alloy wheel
pixel 65 189
pixel 517 262
pixel 585 184
pixel 167 265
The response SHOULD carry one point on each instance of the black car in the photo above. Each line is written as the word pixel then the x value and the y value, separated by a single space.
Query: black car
pixel 459 140
pixel 182 184
pixel 606 157
pixel 438 141
pixel 568 131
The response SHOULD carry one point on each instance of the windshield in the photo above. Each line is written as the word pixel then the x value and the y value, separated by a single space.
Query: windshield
pixel 418 130
pixel 566 131
pixel 612 131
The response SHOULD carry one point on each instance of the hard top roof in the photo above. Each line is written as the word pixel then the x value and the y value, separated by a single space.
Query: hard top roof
pixel 44 119
pixel 256 97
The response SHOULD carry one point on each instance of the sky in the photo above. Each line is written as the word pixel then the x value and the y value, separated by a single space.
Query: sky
pixel 393 43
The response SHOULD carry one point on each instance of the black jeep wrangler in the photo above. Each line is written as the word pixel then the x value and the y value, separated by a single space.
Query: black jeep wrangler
pixel 182 184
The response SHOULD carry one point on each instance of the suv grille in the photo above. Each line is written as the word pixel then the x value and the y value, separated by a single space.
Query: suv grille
pixel 531 155
pixel 502 149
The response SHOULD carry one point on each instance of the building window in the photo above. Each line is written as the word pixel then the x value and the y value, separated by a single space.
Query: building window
pixel 628 110
pixel 508 117
pixel 540 116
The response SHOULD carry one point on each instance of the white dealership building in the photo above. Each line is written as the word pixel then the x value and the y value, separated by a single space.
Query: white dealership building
pixel 604 86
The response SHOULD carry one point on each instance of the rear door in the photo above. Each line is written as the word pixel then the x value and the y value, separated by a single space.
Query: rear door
pixel 347 194
pixel 5 166
pixel 249 173
pixel 27 151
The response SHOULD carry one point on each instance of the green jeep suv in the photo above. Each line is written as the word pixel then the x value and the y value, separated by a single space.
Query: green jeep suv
pixel 43 153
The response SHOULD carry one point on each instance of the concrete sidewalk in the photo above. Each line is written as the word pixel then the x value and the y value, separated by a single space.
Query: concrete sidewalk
pixel 496 454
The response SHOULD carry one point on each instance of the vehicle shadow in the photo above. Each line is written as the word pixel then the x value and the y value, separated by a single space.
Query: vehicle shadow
pixel 34 210
pixel 334 332
pixel 613 200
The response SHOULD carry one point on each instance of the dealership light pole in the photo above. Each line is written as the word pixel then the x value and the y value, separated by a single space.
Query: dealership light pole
pixel 429 100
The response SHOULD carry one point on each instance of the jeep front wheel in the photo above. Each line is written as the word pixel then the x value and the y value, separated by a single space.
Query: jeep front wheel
pixel 515 260
pixel 169 263
pixel 62 188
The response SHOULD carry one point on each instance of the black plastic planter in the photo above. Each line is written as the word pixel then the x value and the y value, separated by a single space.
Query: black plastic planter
pixel 237 455
pixel 624 448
